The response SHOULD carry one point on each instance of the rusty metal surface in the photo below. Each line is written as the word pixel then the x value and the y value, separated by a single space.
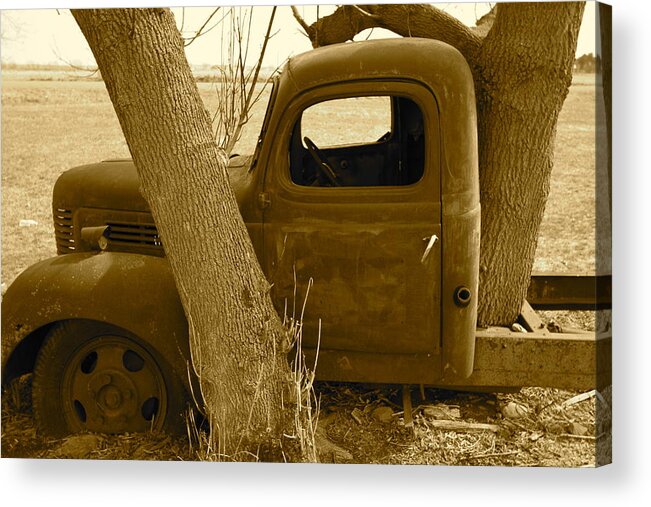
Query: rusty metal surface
pixel 361 246
pixel 370 290
pixel 114 185
pixel 461 238
pixel 134 292
pixel 351 366
pixel 571 361
pixel 106 185
pixel 570 291
pixel 338 235
pixel 433 64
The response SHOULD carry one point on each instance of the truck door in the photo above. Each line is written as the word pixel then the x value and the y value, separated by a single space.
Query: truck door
pixel 353 219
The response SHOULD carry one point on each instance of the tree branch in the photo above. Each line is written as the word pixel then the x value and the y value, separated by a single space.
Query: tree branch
pixel 199 32
pixel 248 101
pixel 407 20
pixel 300 20
pixel 364 13
pixel 485 23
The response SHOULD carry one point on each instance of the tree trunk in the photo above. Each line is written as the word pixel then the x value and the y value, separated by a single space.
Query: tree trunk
pixel 522 70
pixel 524 74
pixel 235 335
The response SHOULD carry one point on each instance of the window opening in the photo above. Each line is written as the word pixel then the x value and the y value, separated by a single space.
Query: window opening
pixel 359 142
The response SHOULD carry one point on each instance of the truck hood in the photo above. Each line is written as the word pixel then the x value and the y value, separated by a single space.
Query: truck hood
pixel 114 184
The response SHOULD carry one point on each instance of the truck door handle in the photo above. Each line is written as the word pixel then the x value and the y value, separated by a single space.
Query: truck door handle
pixel 432 239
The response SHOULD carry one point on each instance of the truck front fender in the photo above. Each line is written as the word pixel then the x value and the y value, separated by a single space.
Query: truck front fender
pixel 134 292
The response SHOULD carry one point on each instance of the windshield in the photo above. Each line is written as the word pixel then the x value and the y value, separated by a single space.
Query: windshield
pixel 265 123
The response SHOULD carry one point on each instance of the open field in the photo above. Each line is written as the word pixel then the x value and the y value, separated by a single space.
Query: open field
pixel 50 126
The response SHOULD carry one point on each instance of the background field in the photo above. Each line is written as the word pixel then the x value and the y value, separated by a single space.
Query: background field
pixel 50 126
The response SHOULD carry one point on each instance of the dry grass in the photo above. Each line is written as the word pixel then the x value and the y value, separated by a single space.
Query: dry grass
pixel 567 233
pixel 541 438
pixel 50 126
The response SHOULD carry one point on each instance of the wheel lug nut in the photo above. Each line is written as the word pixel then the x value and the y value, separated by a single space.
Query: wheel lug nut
pixel 128 394
pixel 106 379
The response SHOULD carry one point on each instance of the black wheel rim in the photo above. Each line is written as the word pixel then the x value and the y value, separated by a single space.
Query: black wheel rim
pixel 113 385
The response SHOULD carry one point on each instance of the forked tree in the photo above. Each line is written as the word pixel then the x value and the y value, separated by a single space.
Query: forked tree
pixel 521 56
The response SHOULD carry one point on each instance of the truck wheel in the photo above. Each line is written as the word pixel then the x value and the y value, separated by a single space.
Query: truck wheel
pixel 91 376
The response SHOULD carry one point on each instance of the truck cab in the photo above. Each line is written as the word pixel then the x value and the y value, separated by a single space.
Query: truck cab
pixel 369 234
pixel 382 218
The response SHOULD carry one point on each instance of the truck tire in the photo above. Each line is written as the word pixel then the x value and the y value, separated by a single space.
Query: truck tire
pixel 91 376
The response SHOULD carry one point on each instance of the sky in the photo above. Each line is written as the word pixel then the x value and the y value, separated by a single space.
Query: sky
pixel 52 36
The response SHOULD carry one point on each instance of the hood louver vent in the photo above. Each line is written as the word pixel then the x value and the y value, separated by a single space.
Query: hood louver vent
pixel 134 234
pixel 63 231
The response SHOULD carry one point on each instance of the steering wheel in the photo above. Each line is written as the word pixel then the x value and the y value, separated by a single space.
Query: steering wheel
pixel 321 162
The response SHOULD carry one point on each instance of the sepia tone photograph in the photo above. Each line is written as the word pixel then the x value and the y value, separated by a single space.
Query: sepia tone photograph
pixel 343 234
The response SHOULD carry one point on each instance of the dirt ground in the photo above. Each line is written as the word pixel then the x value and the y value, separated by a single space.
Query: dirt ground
pixel 51 125
pixel 529 428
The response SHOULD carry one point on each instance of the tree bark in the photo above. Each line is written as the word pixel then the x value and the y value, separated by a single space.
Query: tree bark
pixel 522 71
pixel 409 20
pixel 524 74
pixel 236 337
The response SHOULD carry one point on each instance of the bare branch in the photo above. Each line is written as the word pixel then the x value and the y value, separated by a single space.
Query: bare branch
pixel 182 19
pixel 300 20
pixel 365 13
pixel 237 85
pixel 410 20
pixel 485 23
pixel 91 70
pixel 244 116
pixel 200 32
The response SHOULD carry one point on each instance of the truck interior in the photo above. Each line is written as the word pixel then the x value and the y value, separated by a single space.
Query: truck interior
pixel 383 144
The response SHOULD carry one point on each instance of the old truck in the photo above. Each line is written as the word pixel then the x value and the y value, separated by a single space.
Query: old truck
pixel 382 218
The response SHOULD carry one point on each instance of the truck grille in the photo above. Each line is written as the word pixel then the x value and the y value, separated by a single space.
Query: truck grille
pixel 63 231
pixel 134 234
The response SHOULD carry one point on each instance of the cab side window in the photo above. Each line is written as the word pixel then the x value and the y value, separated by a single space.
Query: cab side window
pixel 358 142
